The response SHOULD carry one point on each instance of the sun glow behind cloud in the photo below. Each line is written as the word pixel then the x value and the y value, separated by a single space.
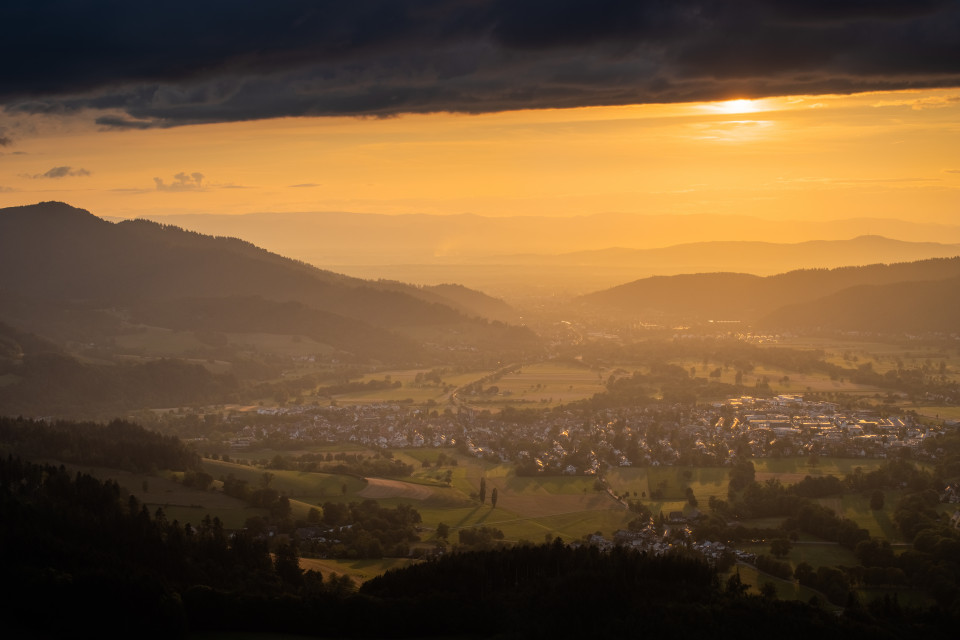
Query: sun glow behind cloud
pixel 741 105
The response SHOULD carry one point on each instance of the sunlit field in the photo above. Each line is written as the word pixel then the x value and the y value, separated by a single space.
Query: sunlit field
pixel 421 394
pixel 529 509
pixel 543 385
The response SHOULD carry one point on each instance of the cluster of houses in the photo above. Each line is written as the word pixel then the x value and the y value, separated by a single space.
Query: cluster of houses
pixel 582 442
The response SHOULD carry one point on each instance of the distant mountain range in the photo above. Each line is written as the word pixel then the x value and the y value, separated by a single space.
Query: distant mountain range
pixel 760 258
pixel 909 297
pixel 517 257
pixel 65 273
pixel 335 238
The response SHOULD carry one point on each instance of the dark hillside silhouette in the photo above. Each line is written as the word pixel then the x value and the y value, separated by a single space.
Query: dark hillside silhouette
pixel 63 270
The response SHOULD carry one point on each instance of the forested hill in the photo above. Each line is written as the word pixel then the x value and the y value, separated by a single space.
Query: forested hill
pixel 56 251
pixel 41 379
pixel 749 298
pixel 56 259
pixel 901 307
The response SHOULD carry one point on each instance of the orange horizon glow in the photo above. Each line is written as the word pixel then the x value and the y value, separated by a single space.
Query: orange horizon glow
pixel 796 157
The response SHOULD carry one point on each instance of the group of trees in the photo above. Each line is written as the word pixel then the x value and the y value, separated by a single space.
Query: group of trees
pixel 106 564
pixel 263 496
pixel 365 530
pixel 381 464
pixel 55 383
pixel 932 565
pixel 117 445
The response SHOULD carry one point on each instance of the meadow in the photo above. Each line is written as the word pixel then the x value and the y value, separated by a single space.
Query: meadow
pixel 544 384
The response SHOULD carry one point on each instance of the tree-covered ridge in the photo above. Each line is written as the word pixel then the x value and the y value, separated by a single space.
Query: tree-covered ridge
pixel 107 565
pixel 163 276
pixel 57 384
pixel 562 591
pixel 116 445
pixel 739 296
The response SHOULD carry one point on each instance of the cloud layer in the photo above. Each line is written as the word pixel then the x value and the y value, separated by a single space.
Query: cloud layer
pixel 166 64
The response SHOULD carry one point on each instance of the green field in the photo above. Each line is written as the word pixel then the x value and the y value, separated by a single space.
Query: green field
pixel 786 589
pixel 939 413
pixel 358 570
pixel 421 394
pixel 797 383
pixel 794 469
pixel 545 384
pixel 304 489
pixel 531 509
pixel 185 504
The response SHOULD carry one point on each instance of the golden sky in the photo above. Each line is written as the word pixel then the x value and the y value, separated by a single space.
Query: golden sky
pixel 894 155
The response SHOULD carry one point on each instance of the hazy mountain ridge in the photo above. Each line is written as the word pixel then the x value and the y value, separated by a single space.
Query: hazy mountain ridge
pixel 56 258
pixel 761 258
pixel 749 298
pixel 326 238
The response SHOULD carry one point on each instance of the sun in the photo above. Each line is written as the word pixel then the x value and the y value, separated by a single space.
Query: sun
pixel 741 105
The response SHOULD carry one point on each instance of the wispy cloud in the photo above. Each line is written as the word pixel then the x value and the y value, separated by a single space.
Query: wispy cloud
pixel 182 182
pixel 304 184
pixel 919 104
pixel 61 172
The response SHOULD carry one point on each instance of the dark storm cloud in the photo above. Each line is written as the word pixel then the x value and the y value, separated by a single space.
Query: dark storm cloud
pixel 164 64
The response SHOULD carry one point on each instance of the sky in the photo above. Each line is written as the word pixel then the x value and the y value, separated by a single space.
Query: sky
pixel 790 109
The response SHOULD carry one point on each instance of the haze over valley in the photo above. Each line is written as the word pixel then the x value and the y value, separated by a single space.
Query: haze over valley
pixel 480 319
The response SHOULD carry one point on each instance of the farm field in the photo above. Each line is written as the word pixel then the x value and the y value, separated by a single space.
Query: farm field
pixel 420 394
pixel 939 413
pixel 185 504
pixel 797 383
pixel 527 508
pixel 786 589
pixel 357 570
pixel 883 356
pixel 304 489
pixel 795 469
pixel 545 384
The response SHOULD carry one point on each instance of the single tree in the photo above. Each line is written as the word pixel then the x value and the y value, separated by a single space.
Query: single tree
pixel 493 498
pixel 483 490
pixel 781 547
